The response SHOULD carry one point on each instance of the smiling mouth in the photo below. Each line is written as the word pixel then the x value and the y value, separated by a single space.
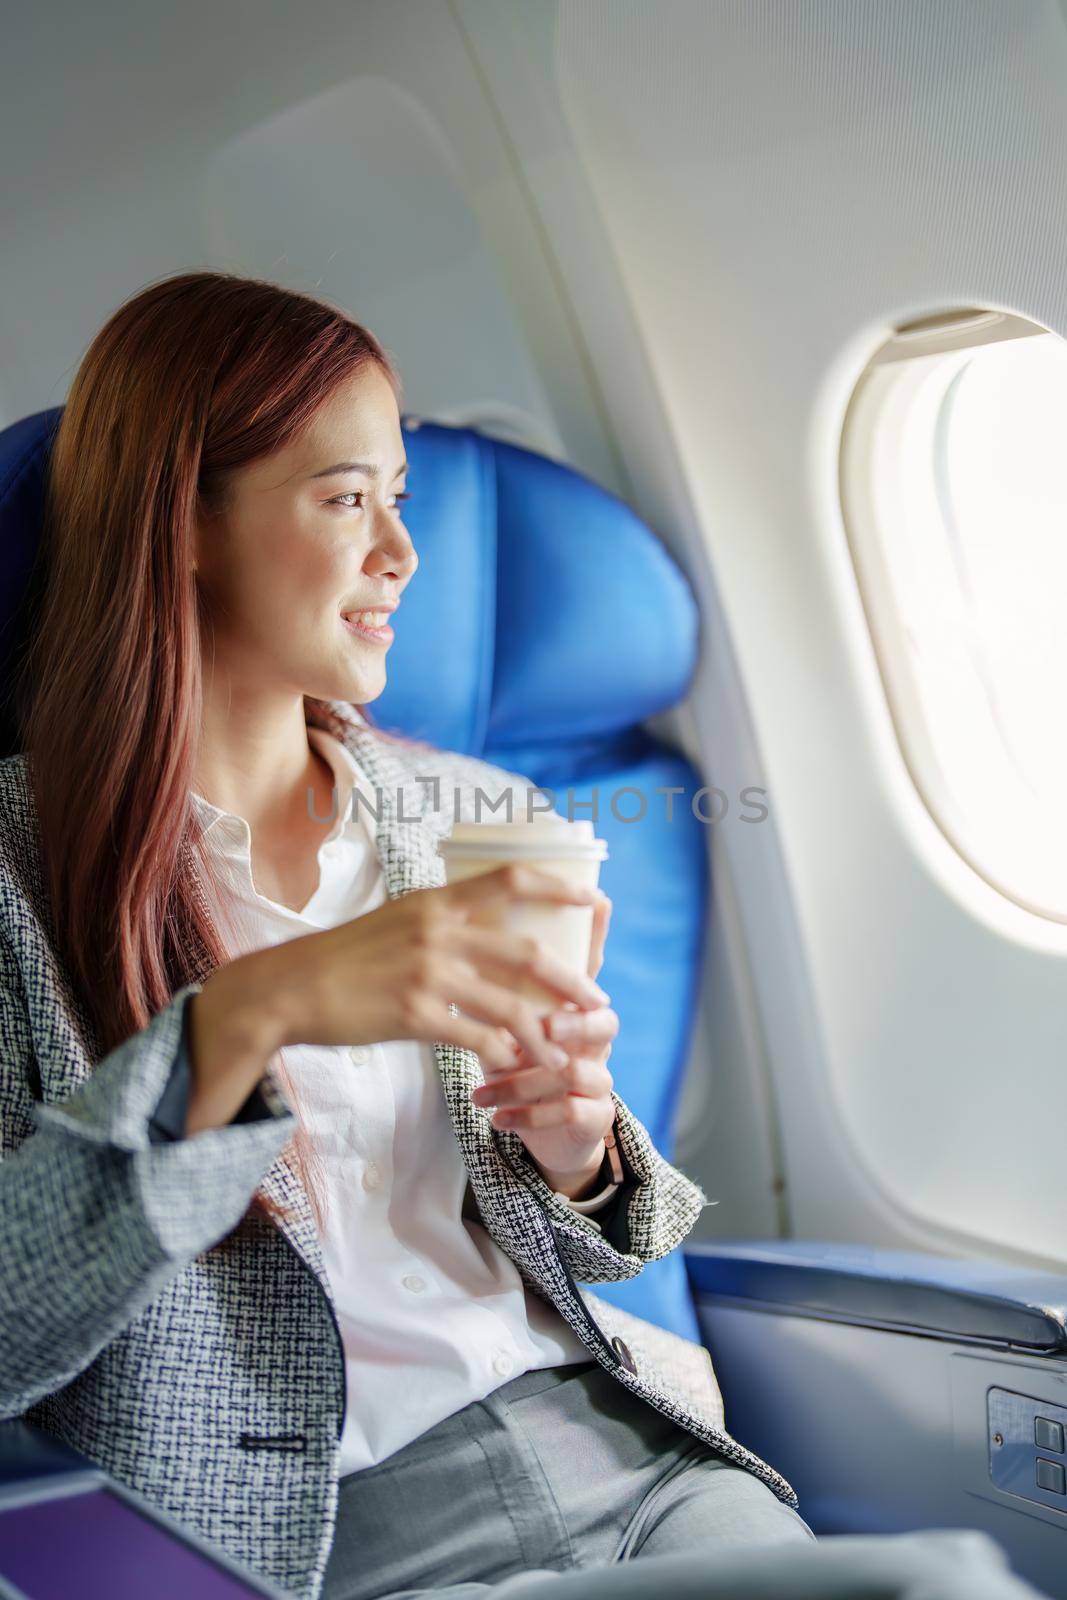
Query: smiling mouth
pixel 372 625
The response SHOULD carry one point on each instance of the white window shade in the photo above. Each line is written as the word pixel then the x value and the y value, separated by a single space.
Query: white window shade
pixel 954 489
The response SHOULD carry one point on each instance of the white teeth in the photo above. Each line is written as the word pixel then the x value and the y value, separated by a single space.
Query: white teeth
pixel 369 619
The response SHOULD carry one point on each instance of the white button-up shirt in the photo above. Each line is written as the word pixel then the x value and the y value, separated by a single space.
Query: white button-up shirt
pixel 433 1314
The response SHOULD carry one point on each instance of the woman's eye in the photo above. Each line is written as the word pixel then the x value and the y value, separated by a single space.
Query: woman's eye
pixel 357 494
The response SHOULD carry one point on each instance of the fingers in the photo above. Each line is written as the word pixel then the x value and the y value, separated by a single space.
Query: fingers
pixel 543 1086
pixel 584 1035
pixel 584 1119
pixel 518 881
pixel 504 1009
pixel 494 1047
pixel 581 1031
pixel 510 956
pixel 601 921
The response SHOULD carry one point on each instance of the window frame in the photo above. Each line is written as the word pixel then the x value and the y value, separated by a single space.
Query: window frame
pixel 896 408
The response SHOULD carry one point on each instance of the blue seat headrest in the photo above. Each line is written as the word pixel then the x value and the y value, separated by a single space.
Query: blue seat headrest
pixel 550 612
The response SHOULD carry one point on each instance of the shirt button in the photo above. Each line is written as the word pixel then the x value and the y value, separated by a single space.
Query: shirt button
pixel 372 1176
pixel 622 1350
pixel 414 1283
pixel 358 1054
pixel 503 1364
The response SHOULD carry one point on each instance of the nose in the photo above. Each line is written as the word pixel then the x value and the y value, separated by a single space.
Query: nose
pixel 392 555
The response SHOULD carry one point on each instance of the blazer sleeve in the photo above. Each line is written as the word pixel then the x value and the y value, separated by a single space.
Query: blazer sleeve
pixel 96 1215
pixel 654 1211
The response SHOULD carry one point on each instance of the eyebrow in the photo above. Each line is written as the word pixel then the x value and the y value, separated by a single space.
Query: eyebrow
pixel 368 468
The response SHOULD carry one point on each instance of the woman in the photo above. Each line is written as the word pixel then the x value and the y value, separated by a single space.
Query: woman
pixel 270 1251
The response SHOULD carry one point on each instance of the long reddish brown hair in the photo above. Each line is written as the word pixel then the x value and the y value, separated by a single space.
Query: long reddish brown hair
pixel 192 378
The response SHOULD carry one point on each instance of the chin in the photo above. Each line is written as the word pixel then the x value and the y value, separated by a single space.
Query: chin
pixel 357 691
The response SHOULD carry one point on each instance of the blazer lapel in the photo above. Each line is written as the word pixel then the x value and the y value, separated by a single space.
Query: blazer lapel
pixel 405 842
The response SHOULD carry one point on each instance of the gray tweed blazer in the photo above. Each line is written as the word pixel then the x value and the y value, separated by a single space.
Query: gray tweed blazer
pixel 190 1347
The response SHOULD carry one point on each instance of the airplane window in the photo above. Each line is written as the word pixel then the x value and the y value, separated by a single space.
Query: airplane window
pixel 954 491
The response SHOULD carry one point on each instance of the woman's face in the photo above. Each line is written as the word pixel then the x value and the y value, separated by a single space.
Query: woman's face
pixel 312 535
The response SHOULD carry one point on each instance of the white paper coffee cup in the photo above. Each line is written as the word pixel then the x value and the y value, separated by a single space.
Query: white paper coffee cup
pixel 567 850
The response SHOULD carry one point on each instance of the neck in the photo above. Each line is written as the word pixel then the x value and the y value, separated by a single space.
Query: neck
pixel 254 757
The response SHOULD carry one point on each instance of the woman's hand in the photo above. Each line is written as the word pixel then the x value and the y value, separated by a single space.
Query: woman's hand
pixel 562 1114
pixel 396 972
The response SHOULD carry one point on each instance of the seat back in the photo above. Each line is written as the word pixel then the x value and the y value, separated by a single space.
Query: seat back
pixel 545 624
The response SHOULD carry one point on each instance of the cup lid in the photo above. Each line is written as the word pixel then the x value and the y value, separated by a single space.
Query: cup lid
pixel 548 836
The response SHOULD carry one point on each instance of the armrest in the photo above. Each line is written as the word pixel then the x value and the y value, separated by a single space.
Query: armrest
pixel 941 1297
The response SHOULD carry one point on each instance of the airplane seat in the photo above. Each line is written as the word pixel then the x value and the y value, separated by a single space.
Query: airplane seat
pixel 894 1389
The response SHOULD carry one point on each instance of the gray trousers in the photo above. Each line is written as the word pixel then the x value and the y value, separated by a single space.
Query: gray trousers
pixel 555 1483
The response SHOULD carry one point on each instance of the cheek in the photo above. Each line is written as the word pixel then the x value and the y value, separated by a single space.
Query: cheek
pixel 295 573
